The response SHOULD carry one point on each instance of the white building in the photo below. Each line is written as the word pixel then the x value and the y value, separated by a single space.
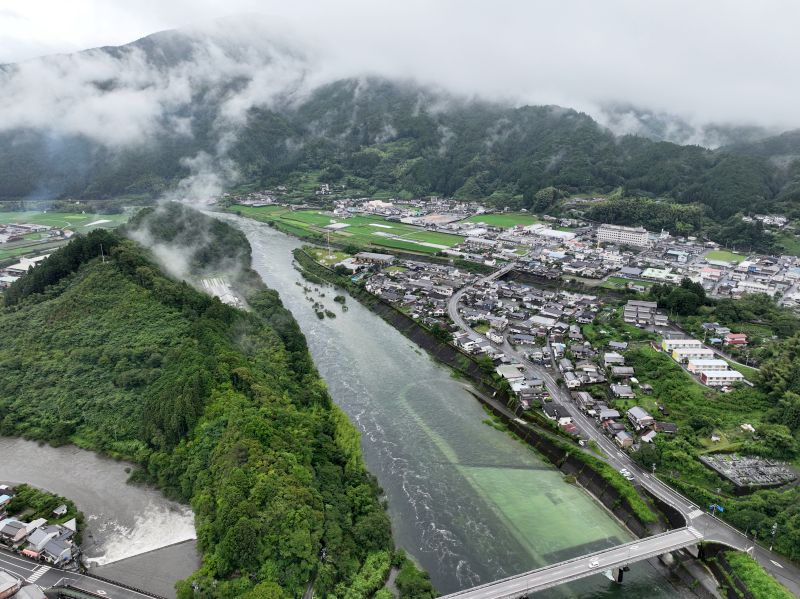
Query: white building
pixel 721 378
pixel 698 365
pixel 669 344
pixel 684 354
pixel 636 236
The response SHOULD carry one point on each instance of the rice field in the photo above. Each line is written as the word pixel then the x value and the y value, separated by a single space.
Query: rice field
pixel 76 221
pixel 372 231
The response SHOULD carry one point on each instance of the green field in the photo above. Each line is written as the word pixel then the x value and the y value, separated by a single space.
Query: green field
pixel 504 220
pixel 724 256
pixel 362 231
pixel 621 283
pixel 64 220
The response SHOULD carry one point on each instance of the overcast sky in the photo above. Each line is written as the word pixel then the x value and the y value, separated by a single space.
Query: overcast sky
pixel 727 61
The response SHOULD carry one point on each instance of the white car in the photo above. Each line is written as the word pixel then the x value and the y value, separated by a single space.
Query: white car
pixel 594 564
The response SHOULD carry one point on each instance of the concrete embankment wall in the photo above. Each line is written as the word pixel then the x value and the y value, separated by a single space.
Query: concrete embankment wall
pixel 467 366
pixel 732 585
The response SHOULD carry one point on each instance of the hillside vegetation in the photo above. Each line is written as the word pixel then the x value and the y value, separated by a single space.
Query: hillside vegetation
pixel 383 137
pixel 219 407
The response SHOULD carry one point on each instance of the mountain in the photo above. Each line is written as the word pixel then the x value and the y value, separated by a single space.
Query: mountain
pixel 196 112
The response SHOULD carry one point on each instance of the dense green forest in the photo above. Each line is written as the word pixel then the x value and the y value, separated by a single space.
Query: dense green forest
pixel 380 136
pixel 220 407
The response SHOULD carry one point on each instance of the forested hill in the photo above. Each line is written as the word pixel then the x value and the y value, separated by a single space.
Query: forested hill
pixel 219 407
pixel 258 121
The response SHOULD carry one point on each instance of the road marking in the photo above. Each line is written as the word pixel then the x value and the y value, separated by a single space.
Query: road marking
pixel 39 573
pixel 776 563
pixel 18 564
pixel 695 514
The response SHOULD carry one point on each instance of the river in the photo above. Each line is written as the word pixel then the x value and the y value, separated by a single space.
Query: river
pixel 467 501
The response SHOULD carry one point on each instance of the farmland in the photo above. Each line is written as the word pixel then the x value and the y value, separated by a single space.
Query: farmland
pixel 38 242
pixel 75 221
pixel 504 220
pixel 361 231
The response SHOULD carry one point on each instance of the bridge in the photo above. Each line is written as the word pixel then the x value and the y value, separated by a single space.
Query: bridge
pixel 615 559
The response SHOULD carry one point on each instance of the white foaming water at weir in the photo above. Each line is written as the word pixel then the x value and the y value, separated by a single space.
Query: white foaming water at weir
pixel 156 527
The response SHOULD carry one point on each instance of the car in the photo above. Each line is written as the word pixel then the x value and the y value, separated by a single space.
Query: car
pixel 623 471
pixel 594 563
pixel 629 477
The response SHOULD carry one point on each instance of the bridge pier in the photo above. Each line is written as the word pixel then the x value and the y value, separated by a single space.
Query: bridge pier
pixel 616 574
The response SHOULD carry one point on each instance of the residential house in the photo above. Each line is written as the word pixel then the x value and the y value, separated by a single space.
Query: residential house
pixel 622 392
pixel 640 418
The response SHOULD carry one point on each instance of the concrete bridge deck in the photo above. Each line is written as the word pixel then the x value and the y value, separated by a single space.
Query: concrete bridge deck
pixel 620 556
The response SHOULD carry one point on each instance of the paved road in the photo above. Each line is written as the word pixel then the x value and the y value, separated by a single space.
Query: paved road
pixel 46 577
pixel 712 528
pixel 582 567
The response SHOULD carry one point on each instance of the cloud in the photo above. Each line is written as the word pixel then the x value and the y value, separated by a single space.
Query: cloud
pixel 710 62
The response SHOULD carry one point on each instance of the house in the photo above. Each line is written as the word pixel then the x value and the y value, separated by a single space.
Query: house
pixel 12 530
pixel 639 312
pixel 618 345
pixel 666 427
pixel 607 414
pixel 373 258
pixel 4 500
pixel 622 372
pixel 721 378
pixel 613 359
pixel 649 436
pixel 511 373
pixel 61 510
pixel 640 418
pixel 565 365
pixel 30 591
pixel 623 391
pixel 9 584
pixel 623 439
pixel 736 339
pixel 571 380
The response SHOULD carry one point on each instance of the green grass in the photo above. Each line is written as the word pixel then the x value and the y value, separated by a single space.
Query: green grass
pixel 362 231
pixel 621 283
pixel 724 256
pixel 504 220
pixel 790 242
pixel 760 584
pixel 322 256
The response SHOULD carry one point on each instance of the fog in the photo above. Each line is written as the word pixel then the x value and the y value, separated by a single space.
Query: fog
pixel 715 61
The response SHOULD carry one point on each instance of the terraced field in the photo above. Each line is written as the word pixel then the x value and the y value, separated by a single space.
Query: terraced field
pixel 363 231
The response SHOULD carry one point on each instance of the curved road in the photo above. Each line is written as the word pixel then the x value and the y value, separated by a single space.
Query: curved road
pixel 712 528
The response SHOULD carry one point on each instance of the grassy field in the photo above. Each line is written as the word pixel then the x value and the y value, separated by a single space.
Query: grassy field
pixel 64 220
pixel 790 242
pixel 621 283
pixel 321 255
pixel 362 231
pixel 504 220
pixel 725 256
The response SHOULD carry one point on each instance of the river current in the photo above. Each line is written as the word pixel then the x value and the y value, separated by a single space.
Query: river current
pixel 468 502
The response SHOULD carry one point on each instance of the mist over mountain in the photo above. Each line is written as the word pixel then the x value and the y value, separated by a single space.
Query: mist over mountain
pixel 191 113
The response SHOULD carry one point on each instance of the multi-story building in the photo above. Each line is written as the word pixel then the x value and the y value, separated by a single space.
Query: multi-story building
pixel 636 236
pixel 670 344
pixel 698 366
pixel 720 378
pixel 684 354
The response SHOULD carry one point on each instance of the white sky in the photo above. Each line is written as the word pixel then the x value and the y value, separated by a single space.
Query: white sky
pixel 729 61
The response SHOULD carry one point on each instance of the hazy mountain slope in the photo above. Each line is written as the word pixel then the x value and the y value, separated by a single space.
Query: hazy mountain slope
pixel 205 111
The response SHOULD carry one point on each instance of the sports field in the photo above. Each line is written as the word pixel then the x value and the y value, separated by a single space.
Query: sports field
pixel 505 220
pixel 725 256
pixel 374 231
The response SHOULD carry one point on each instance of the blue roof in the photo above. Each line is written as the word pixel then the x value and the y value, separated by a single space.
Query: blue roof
pixel 4 498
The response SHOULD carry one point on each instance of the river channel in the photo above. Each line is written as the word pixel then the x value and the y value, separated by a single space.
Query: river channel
pixel 467 501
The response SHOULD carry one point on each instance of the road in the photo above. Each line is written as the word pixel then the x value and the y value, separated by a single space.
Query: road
pixel 46 577
pixel 712 528
pixel 582 567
